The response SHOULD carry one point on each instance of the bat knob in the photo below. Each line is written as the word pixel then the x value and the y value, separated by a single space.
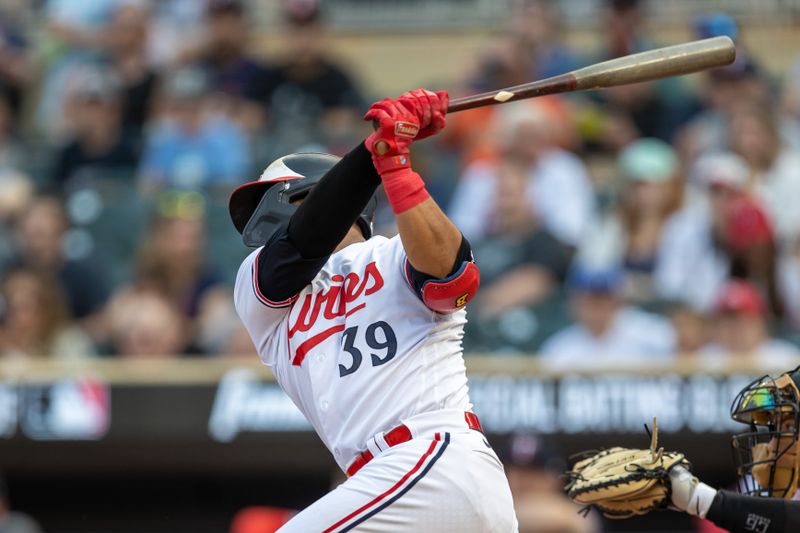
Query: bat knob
pixel 381 147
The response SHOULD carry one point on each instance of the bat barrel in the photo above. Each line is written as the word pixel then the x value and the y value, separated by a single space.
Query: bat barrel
pixel 675 60
pixel 651 65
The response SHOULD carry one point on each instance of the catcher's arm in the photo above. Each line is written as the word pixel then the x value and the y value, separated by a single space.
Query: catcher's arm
pixel 735 512
pixel 624 482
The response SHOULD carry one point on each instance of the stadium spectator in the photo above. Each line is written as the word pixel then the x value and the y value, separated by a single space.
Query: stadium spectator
pixel 624 26
pixel 789 283
pixel 559 191
pixel 741 229
pixel 41 248
pixel 529 49
pixel 723 90
pixel 535 477
pixel 605 330
pixel 652 109
pixel 177 32
pixel 692 261
pixel 775 167
pixel 16 66
pixel 234 73
pixel 14 521
pixel 127 46
pixel 16 195
pixel 750 242
pixel 238 343
pixel 77 34
pixel 308 98
pixel 691 328
pixel 36 321
pixel 217 329
pixel 790 96
pixel 12 154
pixel 144 324
pixel 521 262
pixel 631 233
pixel 192 147
pixel 97 148
pixel 171 260
pixel 740 328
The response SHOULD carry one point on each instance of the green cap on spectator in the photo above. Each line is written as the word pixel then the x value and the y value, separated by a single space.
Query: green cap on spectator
pixel 649 160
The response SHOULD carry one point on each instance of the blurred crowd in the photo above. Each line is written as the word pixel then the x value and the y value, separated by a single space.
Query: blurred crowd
pixel 636 224
pixel 629 226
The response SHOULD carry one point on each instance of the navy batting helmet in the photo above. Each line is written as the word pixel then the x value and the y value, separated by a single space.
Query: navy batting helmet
pixel 258 208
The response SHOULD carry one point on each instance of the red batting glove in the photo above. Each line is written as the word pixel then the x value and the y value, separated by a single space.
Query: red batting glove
pixel 413 115
pixel 397 126
pixel 429 107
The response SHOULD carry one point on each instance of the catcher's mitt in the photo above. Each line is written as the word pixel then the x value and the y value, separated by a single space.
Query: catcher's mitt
pixel 624 482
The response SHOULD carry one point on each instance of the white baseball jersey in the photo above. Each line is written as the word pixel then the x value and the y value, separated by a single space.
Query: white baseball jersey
pixel 357 350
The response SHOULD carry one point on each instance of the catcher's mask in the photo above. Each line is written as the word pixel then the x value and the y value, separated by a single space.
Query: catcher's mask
pixel 768 456
pixel 259 207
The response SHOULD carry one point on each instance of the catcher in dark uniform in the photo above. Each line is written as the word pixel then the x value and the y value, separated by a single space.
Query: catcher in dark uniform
pixel 623 482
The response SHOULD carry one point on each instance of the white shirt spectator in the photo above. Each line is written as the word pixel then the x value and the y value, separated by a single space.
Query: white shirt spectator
pixel 779 191
pixel 560 194
pixel 633 337
pixel 689 268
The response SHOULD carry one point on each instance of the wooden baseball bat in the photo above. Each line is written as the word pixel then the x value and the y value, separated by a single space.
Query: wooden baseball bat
pixel 644 66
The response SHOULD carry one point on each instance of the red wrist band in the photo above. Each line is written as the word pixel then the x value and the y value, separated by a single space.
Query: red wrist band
pixel 404 189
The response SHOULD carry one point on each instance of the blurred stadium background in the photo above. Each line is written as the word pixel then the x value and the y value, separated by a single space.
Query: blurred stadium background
pixel 640 247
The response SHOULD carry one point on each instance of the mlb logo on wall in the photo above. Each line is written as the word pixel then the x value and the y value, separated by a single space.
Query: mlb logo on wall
pixel 69 409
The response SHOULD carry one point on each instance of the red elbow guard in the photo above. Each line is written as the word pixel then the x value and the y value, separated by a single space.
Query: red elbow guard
pixel 453 292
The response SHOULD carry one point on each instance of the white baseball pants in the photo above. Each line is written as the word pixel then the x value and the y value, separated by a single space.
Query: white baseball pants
pixel 448 481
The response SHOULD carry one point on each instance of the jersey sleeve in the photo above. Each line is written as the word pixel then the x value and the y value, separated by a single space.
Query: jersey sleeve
pixel 261 316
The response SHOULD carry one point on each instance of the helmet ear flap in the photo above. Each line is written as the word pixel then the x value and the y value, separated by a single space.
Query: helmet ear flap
pixel 269 214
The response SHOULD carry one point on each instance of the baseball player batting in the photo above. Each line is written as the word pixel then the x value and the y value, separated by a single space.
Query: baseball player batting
pixel 364 332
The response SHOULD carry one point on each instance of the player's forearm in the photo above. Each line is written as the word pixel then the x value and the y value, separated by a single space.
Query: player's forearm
pixel 734 512
pixel 745 514
pixel 430 239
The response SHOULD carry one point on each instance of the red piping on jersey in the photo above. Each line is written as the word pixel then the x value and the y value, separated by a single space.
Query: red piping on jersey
pixel 388 492
pixel 264 300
